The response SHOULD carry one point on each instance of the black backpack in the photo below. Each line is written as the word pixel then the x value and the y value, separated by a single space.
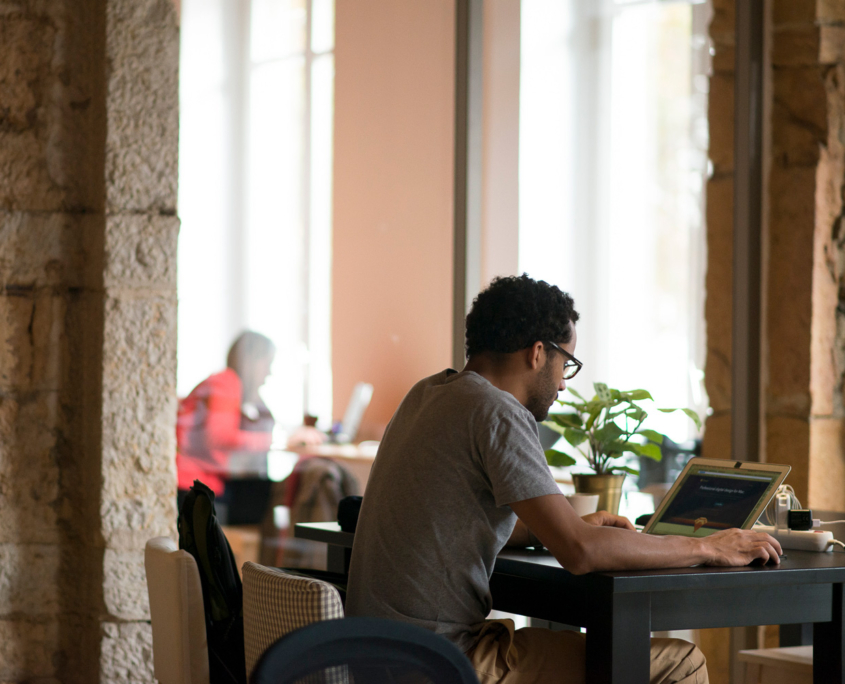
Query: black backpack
pixel 222 593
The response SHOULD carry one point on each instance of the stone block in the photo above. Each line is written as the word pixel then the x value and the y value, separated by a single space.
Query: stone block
pixel 28 580
pixel 33 352
pixel 125 585
pixel 41 249
pixel 26 178
pixel 28 650
pixel 796 46
pixel 29 470
pixel 799 116
pixel 830 11
pixel 16 350
pixel 48 158
pixel 790 287
pixel 788 441
pixel 721 117
pixel 717 436
pixel 793 12
pixel 827 464
pixel 832 47
pixel 825 373
pixel 129 521
pixel 140 251
pixel 801 90
pixel 724 60
pixel 142 105
pixel 139 415
pixel 25 53
pixel 718 304
pixel 722 24
pixel 126 653
pixel 830 176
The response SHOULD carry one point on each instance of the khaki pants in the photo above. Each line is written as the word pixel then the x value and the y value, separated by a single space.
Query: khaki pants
pixel 538 656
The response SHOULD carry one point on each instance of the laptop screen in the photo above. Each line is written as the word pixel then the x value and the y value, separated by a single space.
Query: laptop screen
pixel 712 498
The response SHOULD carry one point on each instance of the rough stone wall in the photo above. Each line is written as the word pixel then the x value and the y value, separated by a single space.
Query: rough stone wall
pixel 718 307
pixel 803 398
pixel 803 254
pixel 88 145
pixel 827 439
pixel 803 355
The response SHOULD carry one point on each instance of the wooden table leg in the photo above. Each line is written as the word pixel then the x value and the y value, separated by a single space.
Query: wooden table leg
pixel 619 640
pixel 829 644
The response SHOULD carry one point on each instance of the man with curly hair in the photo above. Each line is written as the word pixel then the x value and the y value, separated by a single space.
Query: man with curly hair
pixel 460 473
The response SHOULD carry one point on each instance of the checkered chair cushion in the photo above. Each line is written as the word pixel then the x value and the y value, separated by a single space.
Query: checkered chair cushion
pixel 276 603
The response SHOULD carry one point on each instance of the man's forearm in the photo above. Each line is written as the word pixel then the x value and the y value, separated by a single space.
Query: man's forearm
pixel 583 547
pixel 611 548
pixel 522 536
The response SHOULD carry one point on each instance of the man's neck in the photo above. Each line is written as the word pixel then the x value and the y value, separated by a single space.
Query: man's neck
pixel 502 371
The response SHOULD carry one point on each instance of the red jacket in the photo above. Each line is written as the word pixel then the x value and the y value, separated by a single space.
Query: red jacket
pixel 208 429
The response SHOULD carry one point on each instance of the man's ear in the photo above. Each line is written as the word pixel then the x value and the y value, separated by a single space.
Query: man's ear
pixel 534 354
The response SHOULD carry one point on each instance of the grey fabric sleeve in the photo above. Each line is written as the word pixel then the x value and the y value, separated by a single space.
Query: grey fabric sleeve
pixel 513 458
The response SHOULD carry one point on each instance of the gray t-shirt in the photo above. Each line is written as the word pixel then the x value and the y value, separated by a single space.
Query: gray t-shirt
pixel 435 514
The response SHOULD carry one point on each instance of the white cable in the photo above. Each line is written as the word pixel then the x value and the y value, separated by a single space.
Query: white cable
pixel 831 522
pixel 836 542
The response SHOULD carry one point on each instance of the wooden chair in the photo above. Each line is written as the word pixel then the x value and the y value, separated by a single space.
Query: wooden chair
pixel 277 603
pixel 180 647
pixel 790 665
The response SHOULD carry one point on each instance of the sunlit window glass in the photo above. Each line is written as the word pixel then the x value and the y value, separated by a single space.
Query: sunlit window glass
pixel 612 161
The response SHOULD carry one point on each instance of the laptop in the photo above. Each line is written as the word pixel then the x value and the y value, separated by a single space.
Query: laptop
pixel 362 393
pixel 712 495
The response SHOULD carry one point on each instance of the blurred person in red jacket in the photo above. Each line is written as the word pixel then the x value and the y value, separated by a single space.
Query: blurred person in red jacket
pixel 225 414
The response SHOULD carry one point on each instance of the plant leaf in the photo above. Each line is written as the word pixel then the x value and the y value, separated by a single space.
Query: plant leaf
pixel 651 451
pixel 693 416
pixel 578 396
pixel 575 436
pixel 636 413
pixel 554 426
pixel 626 469
pixel 603 392
pixel 594 413
pixel 558 458
pixel 617 448
pixel 651 436
pixel 690 413
pixel 609 433
pixel 637 395
pixel 566 419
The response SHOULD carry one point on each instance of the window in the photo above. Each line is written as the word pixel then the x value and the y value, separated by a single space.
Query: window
pixel 256 98
pixel 613 158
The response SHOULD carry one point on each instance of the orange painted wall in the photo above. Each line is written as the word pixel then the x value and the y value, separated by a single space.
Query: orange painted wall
pixel 393 176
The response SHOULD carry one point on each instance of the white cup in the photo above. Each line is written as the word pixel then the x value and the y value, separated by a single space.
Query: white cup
pixel 584 504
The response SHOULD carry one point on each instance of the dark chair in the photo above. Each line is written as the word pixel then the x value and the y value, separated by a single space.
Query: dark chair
pixel 363 651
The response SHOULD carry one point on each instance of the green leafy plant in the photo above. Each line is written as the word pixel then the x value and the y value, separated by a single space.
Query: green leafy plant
pixel 601 429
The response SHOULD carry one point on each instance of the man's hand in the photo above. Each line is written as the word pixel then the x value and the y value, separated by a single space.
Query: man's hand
pixel 741 547
pixel 605 519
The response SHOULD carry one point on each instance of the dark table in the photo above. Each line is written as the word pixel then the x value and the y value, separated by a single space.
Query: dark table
pixel 621 609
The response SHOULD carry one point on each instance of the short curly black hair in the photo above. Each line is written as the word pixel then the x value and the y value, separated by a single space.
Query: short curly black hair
pixel 514 312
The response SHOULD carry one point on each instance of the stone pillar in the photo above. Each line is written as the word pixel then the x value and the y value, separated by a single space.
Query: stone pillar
pixel 88 149
pixel 803 254
pixel 803 245
pixel 804 374
pixel 718 307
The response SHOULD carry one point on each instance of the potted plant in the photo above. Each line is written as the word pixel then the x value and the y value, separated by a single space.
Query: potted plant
pixel 601 431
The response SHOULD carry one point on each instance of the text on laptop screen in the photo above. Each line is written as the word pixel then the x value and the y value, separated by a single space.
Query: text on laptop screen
pixel 710 499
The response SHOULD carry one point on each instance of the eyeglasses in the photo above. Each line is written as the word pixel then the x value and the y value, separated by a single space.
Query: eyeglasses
pixel 570 367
